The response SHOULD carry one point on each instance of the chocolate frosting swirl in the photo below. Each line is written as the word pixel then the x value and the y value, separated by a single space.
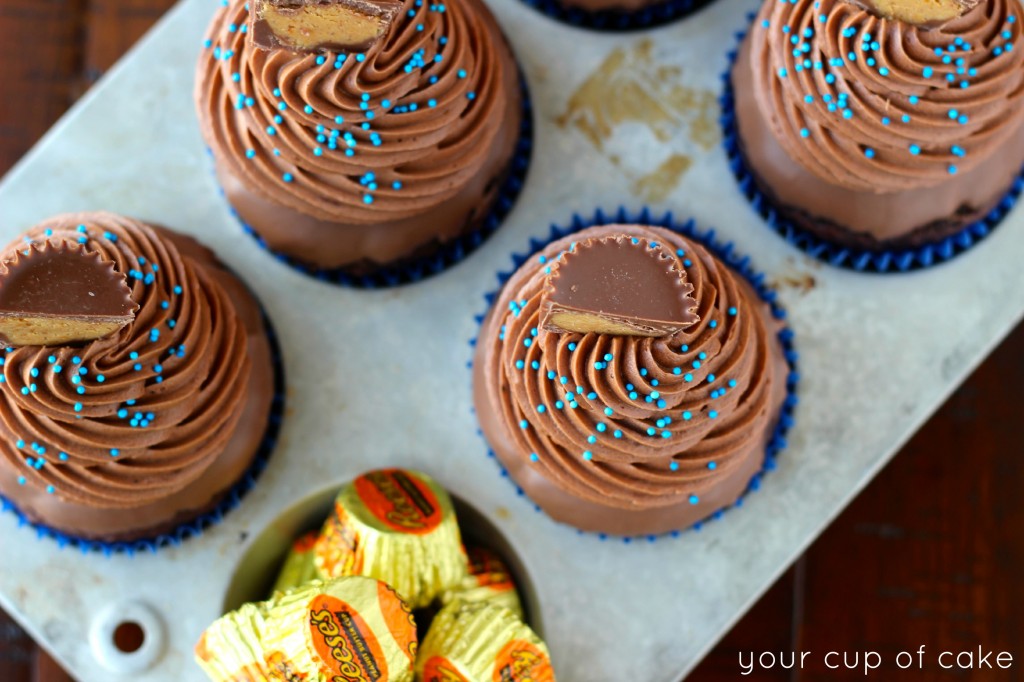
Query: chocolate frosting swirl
pixel 879 105
pixel 634 422
pixel 359 138
pixel 132 418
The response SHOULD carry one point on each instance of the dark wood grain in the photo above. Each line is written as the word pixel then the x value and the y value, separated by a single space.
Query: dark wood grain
pixel 40 69
pixel 931 553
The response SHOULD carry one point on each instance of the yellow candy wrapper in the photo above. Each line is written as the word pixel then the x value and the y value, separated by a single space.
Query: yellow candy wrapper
pixel 481 642
pixel 396 526
pixel 299 568
pixel 489 581
pixel 346 630
pixel 231 650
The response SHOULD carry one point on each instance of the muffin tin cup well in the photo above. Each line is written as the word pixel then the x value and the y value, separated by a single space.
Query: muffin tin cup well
pixel 741 265
pixel 256 570
pixel 657 14
pixel 195 527
pixel 838 255
pixel 448 254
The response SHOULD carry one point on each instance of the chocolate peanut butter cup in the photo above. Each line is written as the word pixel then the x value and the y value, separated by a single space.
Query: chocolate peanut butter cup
pixel 60 294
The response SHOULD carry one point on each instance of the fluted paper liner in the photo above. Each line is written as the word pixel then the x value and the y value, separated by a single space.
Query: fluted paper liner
pixel 488 581
pixel 482 643
pixel 298 569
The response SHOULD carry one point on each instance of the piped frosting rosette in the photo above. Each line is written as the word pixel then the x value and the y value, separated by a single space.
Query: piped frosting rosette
pixel 879 105
pixel 599 428
pixel 423 119
pixel 133 419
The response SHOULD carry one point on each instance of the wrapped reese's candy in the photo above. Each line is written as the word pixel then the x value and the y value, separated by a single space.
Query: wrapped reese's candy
pixel 489 580
pixel 231 650
pixel 481 642
pixel 396 526
pixel 352 629
pixel 298 569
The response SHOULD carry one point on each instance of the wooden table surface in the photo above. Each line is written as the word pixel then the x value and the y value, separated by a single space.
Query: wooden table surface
pixel 932 552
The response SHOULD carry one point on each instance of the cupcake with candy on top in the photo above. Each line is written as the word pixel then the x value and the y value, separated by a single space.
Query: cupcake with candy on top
pixel 629 381
pixel 137 380
pixel 360 138
pixel 882 125
pixel 617 15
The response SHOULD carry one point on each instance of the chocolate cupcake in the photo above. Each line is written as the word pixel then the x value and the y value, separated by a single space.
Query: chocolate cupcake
pixel 617 15
pixel 882 133
pixel 356 152
pixel 137 379
pixel 629 381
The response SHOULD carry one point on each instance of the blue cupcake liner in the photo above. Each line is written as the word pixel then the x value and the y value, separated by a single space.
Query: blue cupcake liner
pixel 741 265
pixel 860 260
pixel 196 526
pixel 659 14
pixel 449 253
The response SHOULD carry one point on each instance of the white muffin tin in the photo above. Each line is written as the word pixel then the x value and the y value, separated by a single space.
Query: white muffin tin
pixel 380 378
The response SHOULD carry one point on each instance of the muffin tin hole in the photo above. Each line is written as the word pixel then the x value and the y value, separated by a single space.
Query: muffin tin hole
pixel 258 568
pixel 127 638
